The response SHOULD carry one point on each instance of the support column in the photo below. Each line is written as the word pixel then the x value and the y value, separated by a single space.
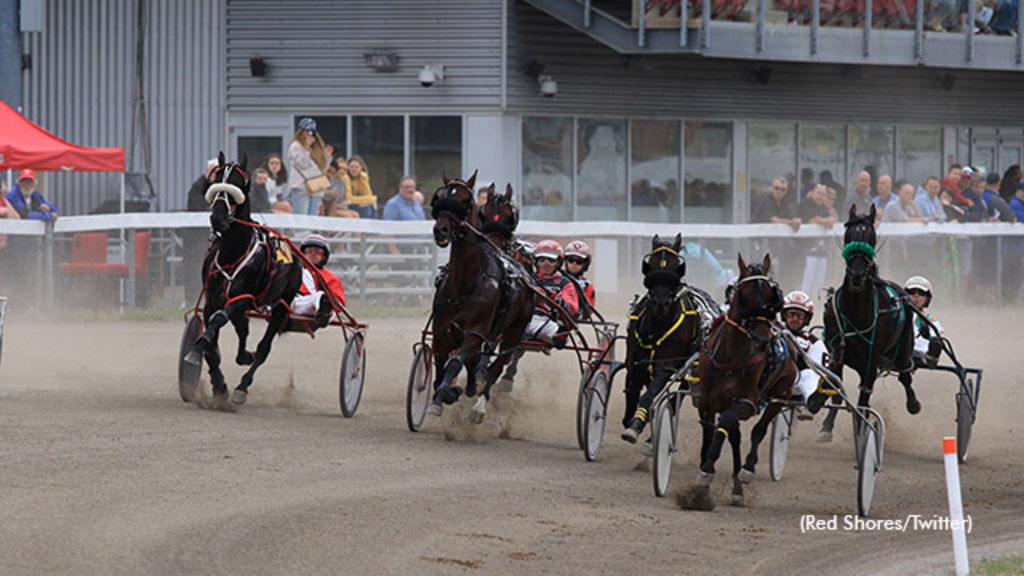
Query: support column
pixel 10 54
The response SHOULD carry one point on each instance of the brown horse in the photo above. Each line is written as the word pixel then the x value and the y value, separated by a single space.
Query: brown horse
pixel 477 303
pixel 744 365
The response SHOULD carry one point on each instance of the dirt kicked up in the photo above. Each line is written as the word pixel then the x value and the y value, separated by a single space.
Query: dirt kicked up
pixel 106 471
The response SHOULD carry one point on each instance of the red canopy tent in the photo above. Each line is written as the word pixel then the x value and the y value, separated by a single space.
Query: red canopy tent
pixel 25 145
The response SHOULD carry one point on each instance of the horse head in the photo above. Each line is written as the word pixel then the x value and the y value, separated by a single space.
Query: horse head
pixel 500 215
pixel 451 207
pixel 859 242
pixel 663 270
pixel 227 193
pixel 756 298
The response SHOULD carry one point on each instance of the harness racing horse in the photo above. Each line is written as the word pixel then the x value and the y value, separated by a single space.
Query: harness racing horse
pixel 477 301
pixel 744 365
pixel 868 322
pixel 245 268
pixel 663 332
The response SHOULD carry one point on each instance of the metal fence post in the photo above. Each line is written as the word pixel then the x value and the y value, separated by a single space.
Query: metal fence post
pixel 46 275
pixel 130 260
pixel 362 269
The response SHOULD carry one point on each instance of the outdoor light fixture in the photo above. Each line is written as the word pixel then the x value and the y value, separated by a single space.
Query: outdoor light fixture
pixel 257 67
pixel 548 87
pixel 763 75
pixel 431 74
pixel 381 60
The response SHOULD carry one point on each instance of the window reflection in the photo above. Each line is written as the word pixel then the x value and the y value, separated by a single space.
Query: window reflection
pixel 601 169
pixel 547 168
pixel 334 131
pixel 771 155
pixel 379 140
pixel 436 150
pixel 708 177
pixel 823 158
pixel 919 153
pixel 654 191
pixel 871 150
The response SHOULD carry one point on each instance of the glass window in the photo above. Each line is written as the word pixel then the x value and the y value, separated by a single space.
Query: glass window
pixel 379 140
pixel 547 168
pixel 919 153
pixel 436 148
pixel 601 169
pixel 256 149
pixel 334 131
pixel 771 154
pixel 871 149
pixel 963 148
pixel 823 158
pixel 655 171
pixel 708 172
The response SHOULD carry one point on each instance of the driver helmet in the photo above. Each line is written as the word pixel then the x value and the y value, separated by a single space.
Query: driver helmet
pixel 548 249
pixel 579 249
pixel 318 241
pixel 919 283
pixel 800 301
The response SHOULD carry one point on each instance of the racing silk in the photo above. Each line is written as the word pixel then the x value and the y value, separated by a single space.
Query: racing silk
pixel 806 378
pixel 560 289
pixel 333 284
pixel 923 333
pixel 588 292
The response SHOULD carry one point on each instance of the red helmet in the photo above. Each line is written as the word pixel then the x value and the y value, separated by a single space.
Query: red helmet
pixel 800 301
pixel 548 249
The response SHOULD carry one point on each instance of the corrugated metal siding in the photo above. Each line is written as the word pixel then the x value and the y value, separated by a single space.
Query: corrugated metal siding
pixel 593 79
pixel 80 88
pixel 314 53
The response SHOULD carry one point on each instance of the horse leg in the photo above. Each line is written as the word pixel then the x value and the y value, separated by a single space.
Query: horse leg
pixel 737 483
pixel 643 408
pixel 757 434
pixel 827 425
pixel 447 393
pixel 508 378
pixel 726 422
pixel 207 339
pixel 241 323
pixel 907 379
pixel 212 355
pixel 278 317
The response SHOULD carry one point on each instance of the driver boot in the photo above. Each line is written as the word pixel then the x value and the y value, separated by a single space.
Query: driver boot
pixel 931 358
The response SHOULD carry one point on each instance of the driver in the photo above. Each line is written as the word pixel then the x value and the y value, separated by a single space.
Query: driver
pixel 797 312
pixel 577 262
pixel 311 301
pixel 546 322
pixel 927 345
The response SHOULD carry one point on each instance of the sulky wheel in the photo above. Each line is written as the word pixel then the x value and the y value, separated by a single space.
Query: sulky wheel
pixel 597 408
pixel 581 408
pixel 353 374
pixel 664 445
pixel 188 373
pixel 867 472
pixel 417 397
pixel 782 430
pixel 964 422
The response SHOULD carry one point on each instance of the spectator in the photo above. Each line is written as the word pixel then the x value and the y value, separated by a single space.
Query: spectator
pixel 194 240
pixel 1017 204
pixel 29 202
pixel 814 210
pixel 830 183
pixel 334 203
pixel 954 213
pixel 903 208
pixel 952 181
pixel 861 195
pixel 1011 179
pixel 830 202
pixel 481 196
pixel 358 193
pixel 6 211
pixel 884 193
pixel 277 184
pixel 928 202
pixel 403 206
pixel 258 194
pixel 309 158
pixel 773 207
pixel 1004 22
pixel 997 207
pixel 975 208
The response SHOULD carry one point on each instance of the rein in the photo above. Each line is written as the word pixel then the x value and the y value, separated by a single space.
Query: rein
pixel 653 347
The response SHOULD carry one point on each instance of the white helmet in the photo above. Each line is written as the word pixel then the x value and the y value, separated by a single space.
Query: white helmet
pixel 579 249
pixel 548 249
pixel 800 301
pixel 919 283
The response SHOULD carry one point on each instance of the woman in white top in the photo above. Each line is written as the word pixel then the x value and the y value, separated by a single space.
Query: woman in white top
pixel 308 158
pixel 277 184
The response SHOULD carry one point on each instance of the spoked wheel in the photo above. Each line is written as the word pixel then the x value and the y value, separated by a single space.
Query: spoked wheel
pixel 417 397
pixel 597 409
pixel 782 430
pixel 964 422
pixel 581 409
pixel 188 373
pixel 353 374
pixel 664 446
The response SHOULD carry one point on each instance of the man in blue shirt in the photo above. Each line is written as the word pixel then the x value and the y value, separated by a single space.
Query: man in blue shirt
pixel 884 193
pixel 997 207
pixel 28 202
pixel 928 202
pixel 1017 203
pixel 403 206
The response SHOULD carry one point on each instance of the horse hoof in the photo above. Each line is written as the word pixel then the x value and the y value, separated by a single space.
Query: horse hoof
pixel 435 410
pixel 745 476
pixel 705 478
pixel 913 406
pixel 194 357
pixel 504 386
pixel 629 435
pixel 476 415
pixel 824 437
pixel 239 396
pixel 737 499
pixel 471 389
pixel 244 359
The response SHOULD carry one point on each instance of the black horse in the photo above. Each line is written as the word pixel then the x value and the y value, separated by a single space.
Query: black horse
pixel 477 304
pixel 664 330
pixel 868 322
pixel 245 268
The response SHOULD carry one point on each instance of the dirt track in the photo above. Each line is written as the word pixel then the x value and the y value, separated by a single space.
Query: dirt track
pixel 106 471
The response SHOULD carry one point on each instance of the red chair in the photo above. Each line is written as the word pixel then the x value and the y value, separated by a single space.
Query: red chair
pixel 89 256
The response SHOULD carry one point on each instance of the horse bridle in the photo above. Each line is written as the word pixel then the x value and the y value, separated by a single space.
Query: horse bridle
pixel 223 190
pixel 443 204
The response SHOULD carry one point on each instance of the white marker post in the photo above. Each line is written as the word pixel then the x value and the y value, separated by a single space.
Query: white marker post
pixel 956 507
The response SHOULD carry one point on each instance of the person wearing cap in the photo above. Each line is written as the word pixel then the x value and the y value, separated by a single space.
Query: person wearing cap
pixel 971 188
pixel 927 335
pixel 309 158
pixel 545 324
pixel 312 300
pixel 797 312
pixel 577 261
pixel 29 202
